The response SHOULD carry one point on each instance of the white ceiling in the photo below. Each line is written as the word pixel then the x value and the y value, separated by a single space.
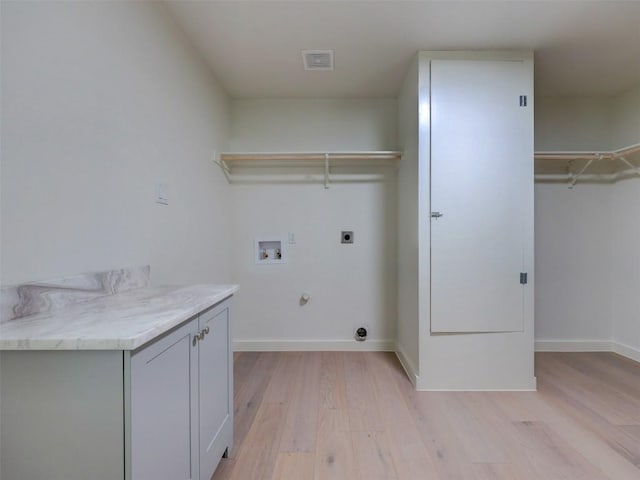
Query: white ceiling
pixel 582 48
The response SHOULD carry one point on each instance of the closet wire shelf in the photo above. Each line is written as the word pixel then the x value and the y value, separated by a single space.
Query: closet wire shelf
pixel 589 167
pixel 303 167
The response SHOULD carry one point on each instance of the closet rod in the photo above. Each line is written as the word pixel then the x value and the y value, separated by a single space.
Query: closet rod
pixel 311 156
pixel 577 155
pixel 590 158
pixel 587 177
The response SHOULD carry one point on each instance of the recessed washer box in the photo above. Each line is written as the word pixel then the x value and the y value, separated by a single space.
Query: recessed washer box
pixel 270 250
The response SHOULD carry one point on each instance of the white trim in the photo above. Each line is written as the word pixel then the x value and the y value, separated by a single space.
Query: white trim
pixel 525 389
pixel 588 346
pixel 626 351
pixel 530 386
pixel 573 346
pixel 281 345
pixel 409 367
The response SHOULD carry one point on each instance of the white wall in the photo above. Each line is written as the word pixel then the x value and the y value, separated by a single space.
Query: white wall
pixel 100 102
pixel 349 285
pixel 573 263
pixel 588 273
pixel 309 125
pixel 408 221
pixel 626 118
pixel 567 123
pixel 625 230
pixel 625 285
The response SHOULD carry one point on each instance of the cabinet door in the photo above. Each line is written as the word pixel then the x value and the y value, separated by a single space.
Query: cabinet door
pixel 482 185
pixel 214 382
pixel 161 408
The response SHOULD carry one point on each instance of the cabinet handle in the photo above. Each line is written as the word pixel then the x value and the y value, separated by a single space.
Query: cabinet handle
pixel 199 336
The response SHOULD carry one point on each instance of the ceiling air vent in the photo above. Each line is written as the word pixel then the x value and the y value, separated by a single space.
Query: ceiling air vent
pixel 317 59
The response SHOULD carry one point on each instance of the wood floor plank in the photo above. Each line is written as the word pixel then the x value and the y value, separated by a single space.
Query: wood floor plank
pixel 243 363
pixel 301 422
pixel 333 390
pixel 511 405
pixel 293 466
pixel 283 379
pixel 612 436
pixel 334 456
pixel 440 440
pixel 551 456
pixel 585 440
pixel 409 454
pixel 633 430
pixel 248 397
pixel 624 364
pixel 617 407
pixel 496 471
pixel 355 415
pixel 498 432
pixel 478 437
pixel 373 456
pixel 224 470
pixel 257 455
pixel 364 414
pixel 603 369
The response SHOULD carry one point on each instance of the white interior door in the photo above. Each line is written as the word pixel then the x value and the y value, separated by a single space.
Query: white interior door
pixel 480 172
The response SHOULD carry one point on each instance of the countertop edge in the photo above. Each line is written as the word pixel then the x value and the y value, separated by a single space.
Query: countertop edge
pixel 124 343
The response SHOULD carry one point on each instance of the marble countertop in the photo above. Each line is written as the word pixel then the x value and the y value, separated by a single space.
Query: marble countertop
pixel 123 321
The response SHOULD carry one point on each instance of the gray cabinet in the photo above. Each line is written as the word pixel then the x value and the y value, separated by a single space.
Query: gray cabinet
pixel 161 407
pixel 181 400
pixel 215 390
pixel 162 412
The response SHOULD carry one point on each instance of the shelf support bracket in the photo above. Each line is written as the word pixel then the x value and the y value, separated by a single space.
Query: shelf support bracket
pixel 326 170
pixel 630 165
pixel 584 169
pixel 225 169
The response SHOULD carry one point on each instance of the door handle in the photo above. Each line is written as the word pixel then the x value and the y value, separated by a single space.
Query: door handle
pixel 436 214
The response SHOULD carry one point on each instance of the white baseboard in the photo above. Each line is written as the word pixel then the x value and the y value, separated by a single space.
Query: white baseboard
pixel 627 351
pixel 573 346
pixel 408 365
pixel 528 386
pixel 588 346
pixel 313 346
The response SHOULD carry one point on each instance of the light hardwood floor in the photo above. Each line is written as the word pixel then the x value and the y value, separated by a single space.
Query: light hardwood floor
pixel 351 416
